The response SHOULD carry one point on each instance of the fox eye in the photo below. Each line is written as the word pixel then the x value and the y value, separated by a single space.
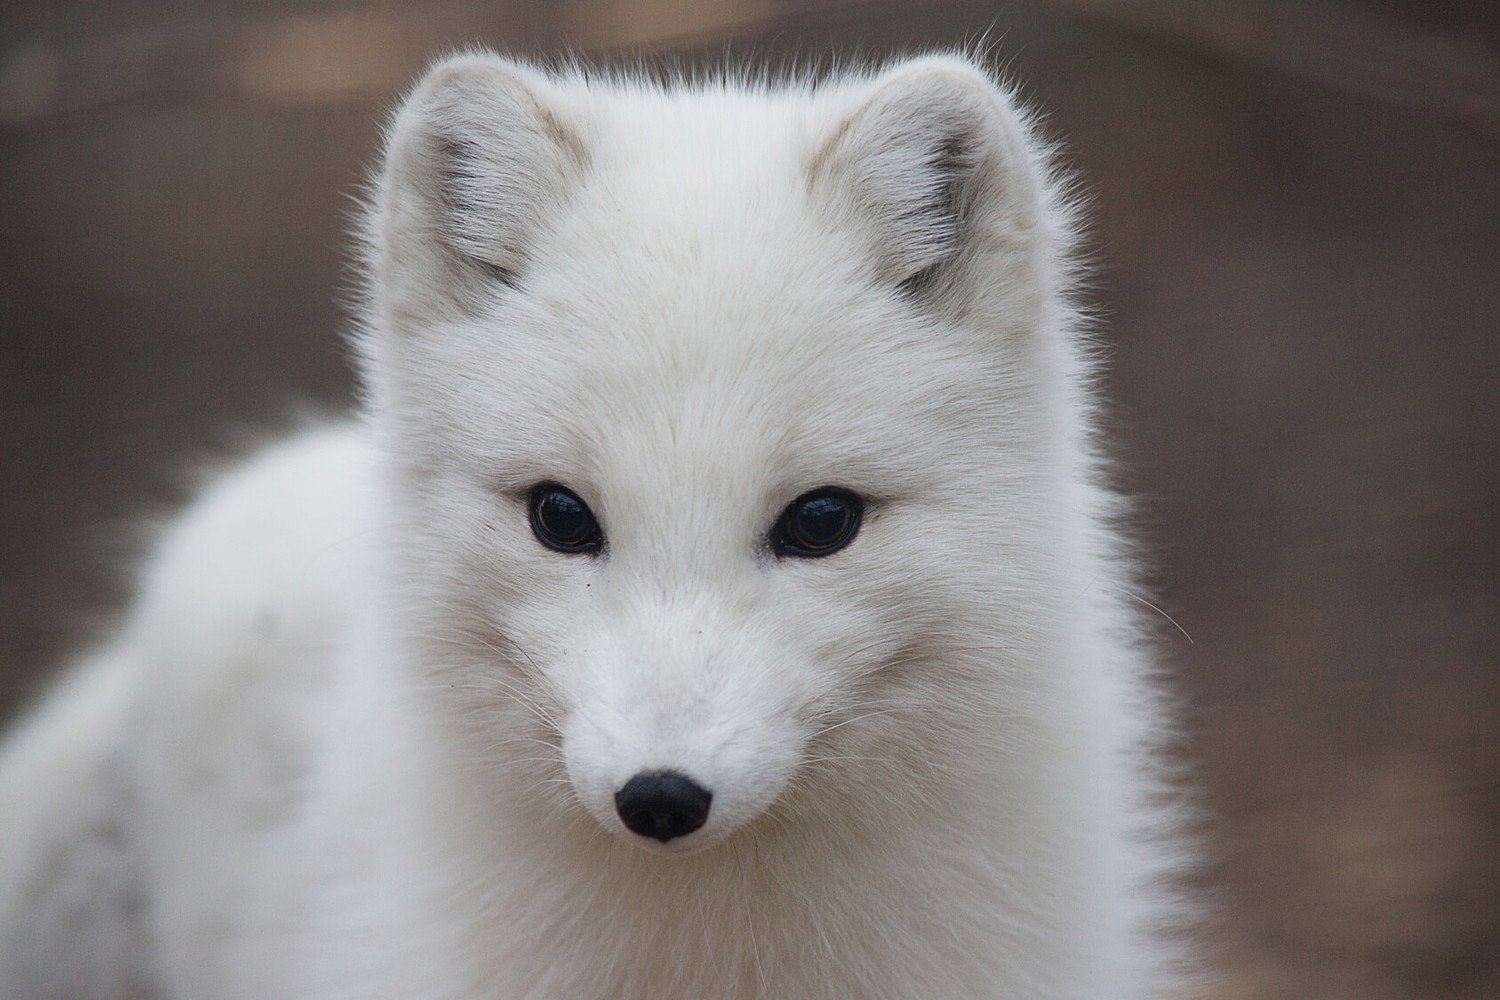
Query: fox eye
pixel 818 523
pixel 563 522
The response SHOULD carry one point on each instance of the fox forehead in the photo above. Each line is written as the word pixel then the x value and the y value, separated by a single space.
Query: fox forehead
pixel 705 390
pixel 789 367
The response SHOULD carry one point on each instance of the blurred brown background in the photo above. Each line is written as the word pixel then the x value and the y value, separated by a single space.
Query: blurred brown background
pixel 1297 217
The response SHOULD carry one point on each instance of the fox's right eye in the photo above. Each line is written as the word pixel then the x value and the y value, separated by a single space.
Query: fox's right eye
pixel 817 523
pixel 563 522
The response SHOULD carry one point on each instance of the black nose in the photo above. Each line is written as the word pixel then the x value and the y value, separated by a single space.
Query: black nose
pixel 663 805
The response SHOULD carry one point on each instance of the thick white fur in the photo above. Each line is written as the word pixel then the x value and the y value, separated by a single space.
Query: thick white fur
pixel 359 737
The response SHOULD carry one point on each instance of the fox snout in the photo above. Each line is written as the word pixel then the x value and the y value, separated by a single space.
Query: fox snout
pixel 669 764
pixel 663 806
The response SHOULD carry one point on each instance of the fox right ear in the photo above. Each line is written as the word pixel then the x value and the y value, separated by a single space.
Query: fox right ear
pixel 479 158
pixel 932 165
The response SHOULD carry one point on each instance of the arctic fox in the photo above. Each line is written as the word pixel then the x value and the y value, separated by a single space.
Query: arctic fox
pixel 717 599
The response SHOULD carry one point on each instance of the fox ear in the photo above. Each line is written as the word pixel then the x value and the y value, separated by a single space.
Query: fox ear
pixel 480 157
pixel 933 166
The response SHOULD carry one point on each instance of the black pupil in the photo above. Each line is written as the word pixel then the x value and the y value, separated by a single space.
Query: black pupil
pixel 820 521
pixel 563 517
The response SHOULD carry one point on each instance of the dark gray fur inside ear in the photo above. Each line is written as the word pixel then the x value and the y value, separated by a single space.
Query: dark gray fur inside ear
pixel 949 164
pixel 462 178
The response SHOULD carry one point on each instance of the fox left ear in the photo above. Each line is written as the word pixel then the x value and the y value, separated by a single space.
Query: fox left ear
pixel 482 156
pixel 934 166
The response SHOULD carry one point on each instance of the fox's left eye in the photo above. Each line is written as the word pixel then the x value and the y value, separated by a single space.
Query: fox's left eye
pixel 563 522
pixel 817 523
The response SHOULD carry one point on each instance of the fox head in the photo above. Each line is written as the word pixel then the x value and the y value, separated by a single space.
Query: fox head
pixel 724 428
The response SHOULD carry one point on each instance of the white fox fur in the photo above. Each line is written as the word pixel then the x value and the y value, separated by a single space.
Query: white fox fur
pixel 360 736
